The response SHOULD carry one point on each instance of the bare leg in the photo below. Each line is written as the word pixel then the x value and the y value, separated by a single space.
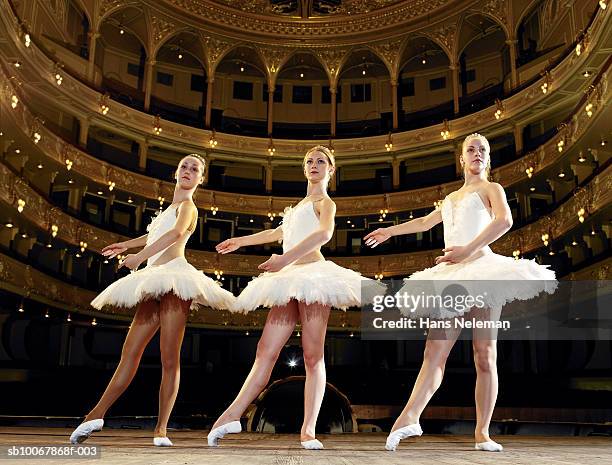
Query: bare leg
pixel 485 358
pixel 438 346
pixel 314 319
pixel 173 313
pixel 279 326
pixel 143 328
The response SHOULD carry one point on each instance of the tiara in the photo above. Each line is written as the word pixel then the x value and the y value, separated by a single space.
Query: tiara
pixel 199 157
pixel 475 134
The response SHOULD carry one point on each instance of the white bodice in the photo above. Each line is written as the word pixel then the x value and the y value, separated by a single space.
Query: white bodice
pixel 464 219
pixel 161 224
pixel 298 223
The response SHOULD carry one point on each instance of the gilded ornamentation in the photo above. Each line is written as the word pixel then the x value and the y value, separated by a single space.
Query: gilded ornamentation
pixel 274 57
pixel 332 59
pixel 390 51
pixel 354 7
pixel 237 16
pixel 215 49
pixel 497 9
pixel 249 6
pixel 107 5
pixel 445 36
pixel 161 28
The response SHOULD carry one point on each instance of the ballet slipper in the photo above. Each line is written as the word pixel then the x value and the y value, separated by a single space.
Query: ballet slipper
pixel 488 446
pixel 402 433
pixel 162 442
pixel 84 430
pixel 220 431
pixel 313 444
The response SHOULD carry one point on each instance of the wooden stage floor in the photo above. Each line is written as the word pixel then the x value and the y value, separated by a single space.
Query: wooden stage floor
pixel 134 447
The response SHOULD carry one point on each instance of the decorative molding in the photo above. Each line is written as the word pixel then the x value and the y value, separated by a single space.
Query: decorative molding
pixel 444 35
pixel 215 50
pixel 161 28
pixel 273 58
pixel 391 53
pixel 332 59
pixel 320 29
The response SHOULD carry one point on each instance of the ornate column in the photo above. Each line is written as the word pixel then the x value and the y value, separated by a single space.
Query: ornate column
pixel 143 150
pixel 457 152
pixel 268 177
pixel 209 95
pixel 454 67
pixel 52 177
pixel 395 164
pixel 208 159
pixel 334 108
pixel 518 138
pixel 513 73
pixel 83 132
pixel 270 108
pixel 93 36
pixel 148 82
pixel 394 104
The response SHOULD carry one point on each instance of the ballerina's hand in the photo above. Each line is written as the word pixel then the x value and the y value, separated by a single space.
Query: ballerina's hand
pixel 377 237
pixel 274 263
pixel 132 261
pixel 111 251
pixel 228 245
pixel 454 254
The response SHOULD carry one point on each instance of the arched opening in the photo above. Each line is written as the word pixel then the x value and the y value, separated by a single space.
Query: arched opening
pixel 424 64
pixel 121 55
pixel 529 36
pixel 280 409
pixel 241 94
pixel 304 85
pixel 178 89
pixel 77 28
pixel 484 62
pixel 362 82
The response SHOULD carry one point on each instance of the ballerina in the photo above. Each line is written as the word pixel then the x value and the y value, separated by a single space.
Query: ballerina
pixel 299 285
pixel 474 216
pixel 163 291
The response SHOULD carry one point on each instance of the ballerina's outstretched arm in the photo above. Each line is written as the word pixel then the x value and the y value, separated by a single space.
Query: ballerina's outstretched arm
pixel 112 250
pixel 421 224
pixel 262 237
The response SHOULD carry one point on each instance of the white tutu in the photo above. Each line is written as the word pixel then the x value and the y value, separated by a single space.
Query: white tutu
pixel 522 280
pixel 176 276
pixel 320 281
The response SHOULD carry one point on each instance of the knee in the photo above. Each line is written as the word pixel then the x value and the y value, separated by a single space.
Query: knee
pixel 312 358
pixel 485 358
pixel 266 353
pixel 170 361
pixel 131 352
pixel 436 354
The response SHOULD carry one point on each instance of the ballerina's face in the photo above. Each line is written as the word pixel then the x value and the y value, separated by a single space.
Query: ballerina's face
pixel 317 167
pixel 190 172
pixel 476 157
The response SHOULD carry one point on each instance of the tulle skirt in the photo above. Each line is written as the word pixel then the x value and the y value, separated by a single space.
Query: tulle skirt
pixel 495 279
pixel 322 282
pixel 176 276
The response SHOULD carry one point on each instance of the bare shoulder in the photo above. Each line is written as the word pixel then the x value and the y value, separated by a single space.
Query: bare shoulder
pixel 325 204
pixel 495 189
pixel 187 206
